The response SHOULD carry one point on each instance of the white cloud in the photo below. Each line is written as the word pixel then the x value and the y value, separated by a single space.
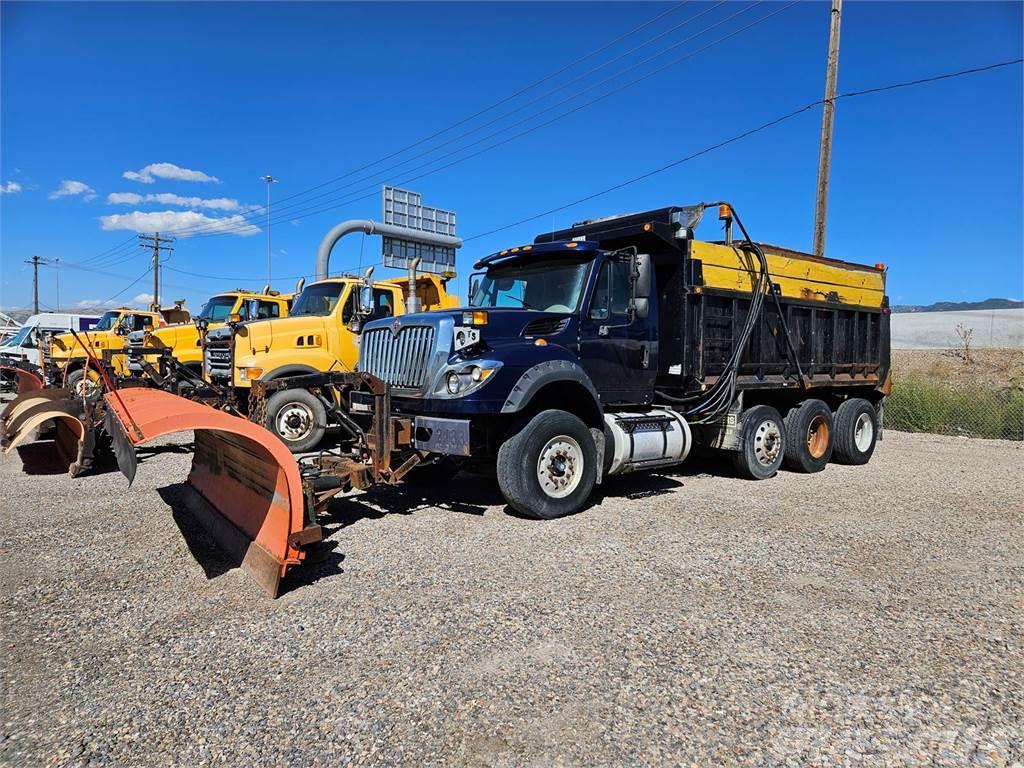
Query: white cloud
pixel 96 304
pixel 155 171
pixel 124 198
pixel 10 188
pixel 167 198
pixel 143 299
pixel 173 222
pixel 72 188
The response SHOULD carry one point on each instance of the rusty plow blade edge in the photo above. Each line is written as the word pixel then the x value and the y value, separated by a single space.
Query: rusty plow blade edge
pixel 27 380
pixel 26 414
pixel 248 492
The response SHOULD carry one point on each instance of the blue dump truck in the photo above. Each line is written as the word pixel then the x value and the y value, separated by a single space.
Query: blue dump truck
pixel 617 345
pixel 620 343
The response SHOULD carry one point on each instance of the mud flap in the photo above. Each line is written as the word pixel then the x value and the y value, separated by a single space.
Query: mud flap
pixel 74 440
pixel 253 503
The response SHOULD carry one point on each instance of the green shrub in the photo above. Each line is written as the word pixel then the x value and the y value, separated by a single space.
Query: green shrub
pixel 920 405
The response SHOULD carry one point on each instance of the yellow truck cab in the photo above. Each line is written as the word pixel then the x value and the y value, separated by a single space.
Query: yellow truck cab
pixel 321 334
pixel 70 358
pixel 184 341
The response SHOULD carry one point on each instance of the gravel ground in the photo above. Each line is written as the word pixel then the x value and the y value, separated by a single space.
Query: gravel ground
pixel 861 616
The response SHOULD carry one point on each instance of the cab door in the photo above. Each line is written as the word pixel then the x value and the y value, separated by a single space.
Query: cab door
pixel 617 349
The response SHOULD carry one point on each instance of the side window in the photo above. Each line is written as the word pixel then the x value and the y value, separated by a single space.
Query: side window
pixel 267 310
pixel 382 304
pixel 138 322
pixel 612 290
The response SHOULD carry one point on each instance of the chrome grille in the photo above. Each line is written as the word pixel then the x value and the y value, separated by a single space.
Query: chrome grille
pixel 217 360
pixel 136 342
pixel 403 360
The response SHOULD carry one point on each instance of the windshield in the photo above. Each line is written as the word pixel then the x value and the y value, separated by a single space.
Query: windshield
pixel 217 309
pixel 19 338
pixel 552 285
pixel 108 321
pixel 318 299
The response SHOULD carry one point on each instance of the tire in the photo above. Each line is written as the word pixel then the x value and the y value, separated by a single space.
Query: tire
pixel 548 468
pixel 856 431
pixel 762 443
pixel 76 379
pixel 298 418
pixel 438 473
pixel 810 436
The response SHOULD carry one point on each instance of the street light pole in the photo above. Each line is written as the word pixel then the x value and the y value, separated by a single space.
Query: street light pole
pixel 269 180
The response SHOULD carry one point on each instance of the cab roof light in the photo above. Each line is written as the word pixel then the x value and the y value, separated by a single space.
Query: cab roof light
pixel 724 212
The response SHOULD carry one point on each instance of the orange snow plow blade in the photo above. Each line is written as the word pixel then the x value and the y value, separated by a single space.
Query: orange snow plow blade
pixel 27 413
pixel 249 479
pixel 27 380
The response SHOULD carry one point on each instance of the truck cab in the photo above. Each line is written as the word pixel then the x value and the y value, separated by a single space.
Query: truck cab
pixel 184 340
pixel 320 335
pixel 71 359
pixel 619 343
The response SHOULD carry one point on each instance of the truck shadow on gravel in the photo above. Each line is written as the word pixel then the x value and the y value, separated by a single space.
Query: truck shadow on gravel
pixel 467 494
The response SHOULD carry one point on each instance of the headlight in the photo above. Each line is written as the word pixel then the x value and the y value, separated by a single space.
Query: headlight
pixel 460 380
pixel 453 382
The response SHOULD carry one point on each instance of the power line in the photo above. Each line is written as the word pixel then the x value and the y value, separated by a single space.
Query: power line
pixel 349 200
pixel 744 135
pixel 216 229
pixel 495 104
pixel 253 215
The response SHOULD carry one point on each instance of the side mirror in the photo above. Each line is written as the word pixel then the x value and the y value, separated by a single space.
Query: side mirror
pixel 365 299
pixel 252 309
pixel 473 286
pixel 642 285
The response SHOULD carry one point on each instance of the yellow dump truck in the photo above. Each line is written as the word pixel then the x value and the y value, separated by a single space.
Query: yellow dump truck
pixel 184 340
pixel 71 359
pixel 321 334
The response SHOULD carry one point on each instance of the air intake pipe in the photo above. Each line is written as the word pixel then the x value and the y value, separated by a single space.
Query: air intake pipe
pixel 366 226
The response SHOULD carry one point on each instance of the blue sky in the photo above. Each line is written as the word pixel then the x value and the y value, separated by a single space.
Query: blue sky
pixel 927 180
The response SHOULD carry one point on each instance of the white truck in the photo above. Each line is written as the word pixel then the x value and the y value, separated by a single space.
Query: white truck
pixel 32 341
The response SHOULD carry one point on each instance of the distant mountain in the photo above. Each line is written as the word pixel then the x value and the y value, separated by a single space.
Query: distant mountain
pixel 956 306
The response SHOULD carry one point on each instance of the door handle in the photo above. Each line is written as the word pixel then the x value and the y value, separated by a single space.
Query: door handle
pixel 645 356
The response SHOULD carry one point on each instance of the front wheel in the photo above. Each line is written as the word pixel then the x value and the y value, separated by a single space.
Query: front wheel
pixel 548 468
pixel 84 384
pixel 298 418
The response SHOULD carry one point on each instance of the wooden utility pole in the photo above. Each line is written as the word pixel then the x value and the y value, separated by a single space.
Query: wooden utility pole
pixel 827 119
pixel 35 261
pixel 154 242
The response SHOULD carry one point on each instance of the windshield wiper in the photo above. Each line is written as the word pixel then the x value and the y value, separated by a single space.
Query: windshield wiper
pixel 526 304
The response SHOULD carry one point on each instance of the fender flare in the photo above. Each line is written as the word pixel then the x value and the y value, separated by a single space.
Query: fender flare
pixel 294 369
pixel 542 374
pixel 255 503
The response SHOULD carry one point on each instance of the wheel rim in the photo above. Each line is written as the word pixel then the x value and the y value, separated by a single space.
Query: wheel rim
pixel 863 432
pixel 817 437
pixel 560 466
pixel 87 386
pixel 767 442
pixel 294 421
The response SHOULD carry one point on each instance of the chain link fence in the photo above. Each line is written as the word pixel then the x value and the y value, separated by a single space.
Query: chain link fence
pixel 973 393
